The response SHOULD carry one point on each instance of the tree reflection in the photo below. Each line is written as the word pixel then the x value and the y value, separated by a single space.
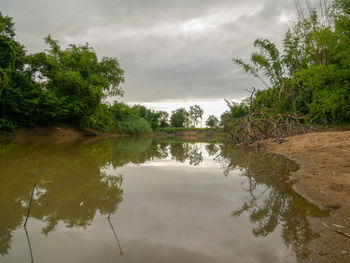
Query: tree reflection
pixel 271 201
pixel 180 151
pixel 73 184
pixel 212 149
pixel 195 156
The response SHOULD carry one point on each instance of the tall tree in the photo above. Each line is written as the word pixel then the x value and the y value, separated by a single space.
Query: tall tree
pixel 78 77
pixel 196 112
pixel 179 118
pixel 212 121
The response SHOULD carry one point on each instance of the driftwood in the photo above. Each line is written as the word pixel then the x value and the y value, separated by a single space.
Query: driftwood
pixel 263 123
pixel 336 230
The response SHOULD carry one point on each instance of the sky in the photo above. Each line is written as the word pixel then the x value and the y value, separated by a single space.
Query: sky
pixel 173 52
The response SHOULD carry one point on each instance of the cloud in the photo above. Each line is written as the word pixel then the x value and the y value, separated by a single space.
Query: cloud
pixel 169 49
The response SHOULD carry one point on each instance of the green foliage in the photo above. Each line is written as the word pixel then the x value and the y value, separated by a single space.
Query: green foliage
pixel 195 113
pixel 154 118
pixel 237 110
pixel 179 118
pixel 7 26
pixel 22 101
pixel 127 120
pixel 170 130
pixel 311 75
pixel 134 126
pixel 164 119
pixel 212 121
pixel 55 86
pixel 268 60
pixel 78 77
pixel 101 119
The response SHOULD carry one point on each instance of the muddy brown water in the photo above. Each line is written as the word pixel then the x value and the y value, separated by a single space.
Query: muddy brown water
pixel 167 201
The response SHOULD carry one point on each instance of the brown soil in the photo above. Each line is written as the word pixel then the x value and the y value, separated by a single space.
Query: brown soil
pixel 188 135
pixel 324 179
pixel 56 134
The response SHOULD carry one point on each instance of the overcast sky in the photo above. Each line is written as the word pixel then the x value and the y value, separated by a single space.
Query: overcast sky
pixel 170 49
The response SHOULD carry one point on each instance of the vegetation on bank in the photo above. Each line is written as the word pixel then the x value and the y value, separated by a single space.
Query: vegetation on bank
pixel 307 82
pixel 69 86
pixel 170 130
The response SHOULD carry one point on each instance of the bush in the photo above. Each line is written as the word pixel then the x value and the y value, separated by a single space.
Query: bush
pixel 101 120
pixel 132 126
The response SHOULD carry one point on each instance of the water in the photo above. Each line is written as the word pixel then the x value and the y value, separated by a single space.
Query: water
pixel 167 201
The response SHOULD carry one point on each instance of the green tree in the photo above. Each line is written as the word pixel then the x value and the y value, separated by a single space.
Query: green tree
pixel 164 119
pixel 212 121
pixel 151 116
pixel 7 26
pixel 310 76
pixel 179 118
pixel 77 77
pixel 127 120
pixel 22 100
pixel 195 113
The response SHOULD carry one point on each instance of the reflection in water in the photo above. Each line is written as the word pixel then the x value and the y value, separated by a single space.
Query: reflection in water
pixel 114 209
pixel 212 149
pixel 31 195
pixel 182 152
pixel 76 184
pixel 277 204
pixel 29 245
pixel 115 236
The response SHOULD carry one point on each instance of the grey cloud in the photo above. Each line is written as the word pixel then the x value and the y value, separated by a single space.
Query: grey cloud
pixel 169 49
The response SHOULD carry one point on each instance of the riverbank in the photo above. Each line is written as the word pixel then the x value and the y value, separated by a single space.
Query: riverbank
pixel 187 134
pixel 68 133
pixel 64 133
pixel 324 179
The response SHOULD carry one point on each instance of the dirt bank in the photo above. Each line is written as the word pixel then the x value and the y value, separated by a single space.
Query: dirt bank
pixel 54 134
pixel 194 135
pixel 324 179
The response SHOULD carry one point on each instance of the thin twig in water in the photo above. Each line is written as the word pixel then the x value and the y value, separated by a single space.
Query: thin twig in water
pixel 116 237
pixel 32 193
pixel 30 247
pixel 109 216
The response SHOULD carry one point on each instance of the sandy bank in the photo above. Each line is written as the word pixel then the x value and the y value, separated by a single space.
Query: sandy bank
pixel 324 178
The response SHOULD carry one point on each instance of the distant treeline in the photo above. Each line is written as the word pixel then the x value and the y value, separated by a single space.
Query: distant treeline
pixel 309 77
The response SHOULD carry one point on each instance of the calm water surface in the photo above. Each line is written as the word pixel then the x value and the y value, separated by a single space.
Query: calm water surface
pixel 167 201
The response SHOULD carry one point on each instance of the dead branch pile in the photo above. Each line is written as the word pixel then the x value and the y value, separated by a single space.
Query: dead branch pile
pixel 263 124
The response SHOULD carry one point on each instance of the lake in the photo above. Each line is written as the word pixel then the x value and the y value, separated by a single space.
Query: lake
pixel 147 200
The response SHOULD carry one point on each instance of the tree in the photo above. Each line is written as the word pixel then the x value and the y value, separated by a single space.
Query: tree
pixel 179 118
pixel 20 96
pixel 212 121
pixel 77 77
pixel 310 75
pixel 196 112
pixel 163 119
pixel 7 26
pixel 154 118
